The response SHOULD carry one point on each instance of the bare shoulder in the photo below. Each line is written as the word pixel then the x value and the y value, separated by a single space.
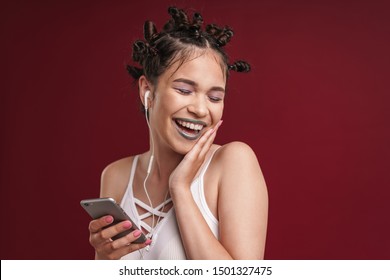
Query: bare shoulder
pixel 237 162
pixel 236 154
pixel 115 177
pixel 237 146
pixel 242 201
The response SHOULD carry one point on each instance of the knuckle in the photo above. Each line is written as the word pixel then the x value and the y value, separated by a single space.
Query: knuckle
pixel 91 226
pixel 91 240
pixel 138 246
pixel 112 246
pixel 119 227
pixel 130 238
pixel 103 234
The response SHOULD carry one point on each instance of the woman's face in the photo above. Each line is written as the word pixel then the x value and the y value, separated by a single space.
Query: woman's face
pixel 187 101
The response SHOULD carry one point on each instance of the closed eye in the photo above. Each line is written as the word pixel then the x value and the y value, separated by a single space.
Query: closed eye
pixel 183 91
pixel 215 99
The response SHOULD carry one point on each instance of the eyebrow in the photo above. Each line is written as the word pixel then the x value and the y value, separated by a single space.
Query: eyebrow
pixel 194 84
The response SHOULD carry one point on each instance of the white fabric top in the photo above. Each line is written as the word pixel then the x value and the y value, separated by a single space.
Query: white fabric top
pixel 166 241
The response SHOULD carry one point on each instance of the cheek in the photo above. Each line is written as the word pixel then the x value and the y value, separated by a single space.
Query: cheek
pixel 218 112
pixel 170 101
pixel 162 105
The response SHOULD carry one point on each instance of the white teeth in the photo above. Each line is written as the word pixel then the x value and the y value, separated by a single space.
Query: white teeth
pixel 190 125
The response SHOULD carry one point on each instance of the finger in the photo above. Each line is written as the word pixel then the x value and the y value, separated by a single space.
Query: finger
pixel 104 236
pixel 125 249
pixel 126 240
pixel 209 134
pixel 97 225
pixel 205 147
pixel 95 228
pixel 115 229
pixel 216 127
pixel 200 143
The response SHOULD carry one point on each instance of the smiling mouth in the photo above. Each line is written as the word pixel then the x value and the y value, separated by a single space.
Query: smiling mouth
pixel 189 129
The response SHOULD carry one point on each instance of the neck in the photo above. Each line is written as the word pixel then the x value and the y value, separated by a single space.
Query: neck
pixel 164 162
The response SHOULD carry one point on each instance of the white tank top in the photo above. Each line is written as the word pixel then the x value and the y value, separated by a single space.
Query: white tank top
pixel 166 242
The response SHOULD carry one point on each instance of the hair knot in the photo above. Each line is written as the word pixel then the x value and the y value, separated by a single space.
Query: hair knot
pixel 142 50
pixel 179 16
pixel 240 66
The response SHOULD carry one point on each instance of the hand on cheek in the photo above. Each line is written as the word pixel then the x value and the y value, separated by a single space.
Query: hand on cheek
pixel 189 166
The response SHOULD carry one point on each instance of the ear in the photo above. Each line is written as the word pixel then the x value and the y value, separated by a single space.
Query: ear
pixel 144 85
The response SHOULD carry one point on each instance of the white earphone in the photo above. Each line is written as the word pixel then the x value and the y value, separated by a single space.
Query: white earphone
pixel 146 99
pixel 150 164
pixel 147 93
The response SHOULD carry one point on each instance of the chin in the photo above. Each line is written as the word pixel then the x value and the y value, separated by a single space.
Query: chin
pixel 183 141
pixel 184 149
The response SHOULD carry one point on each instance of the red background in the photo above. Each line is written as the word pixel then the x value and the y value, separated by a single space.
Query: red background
pixel 315 109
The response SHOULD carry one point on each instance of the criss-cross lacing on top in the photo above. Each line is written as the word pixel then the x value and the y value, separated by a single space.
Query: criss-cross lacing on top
pixel 154 212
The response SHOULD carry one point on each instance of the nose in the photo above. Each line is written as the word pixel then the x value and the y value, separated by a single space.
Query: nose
pixel 198 106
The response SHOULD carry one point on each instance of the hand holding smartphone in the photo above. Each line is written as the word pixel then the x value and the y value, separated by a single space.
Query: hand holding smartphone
pixel 99 207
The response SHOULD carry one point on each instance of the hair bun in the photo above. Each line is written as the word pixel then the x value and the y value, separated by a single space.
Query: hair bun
pixel 135 72
pixel 179 16
pixel 150 31
pixel 240 66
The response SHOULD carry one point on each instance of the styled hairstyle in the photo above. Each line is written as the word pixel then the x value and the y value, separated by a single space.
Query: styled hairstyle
pixel 178 40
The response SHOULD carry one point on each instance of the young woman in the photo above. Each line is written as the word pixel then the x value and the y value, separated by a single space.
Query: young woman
pixel 192 198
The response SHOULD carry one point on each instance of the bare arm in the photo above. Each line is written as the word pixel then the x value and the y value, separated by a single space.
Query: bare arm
pixel 242 209
pixel 242 203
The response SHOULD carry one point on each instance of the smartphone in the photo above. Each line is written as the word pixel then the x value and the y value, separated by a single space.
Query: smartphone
pixel 99 207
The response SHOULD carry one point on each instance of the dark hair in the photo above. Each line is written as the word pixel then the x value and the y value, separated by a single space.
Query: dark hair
pixel 178 40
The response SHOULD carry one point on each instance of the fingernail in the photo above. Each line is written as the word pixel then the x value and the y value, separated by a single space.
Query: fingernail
pixel 109 219
pixel 217 125
pixel 137 233
pixel 148 242
pixel 127 224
